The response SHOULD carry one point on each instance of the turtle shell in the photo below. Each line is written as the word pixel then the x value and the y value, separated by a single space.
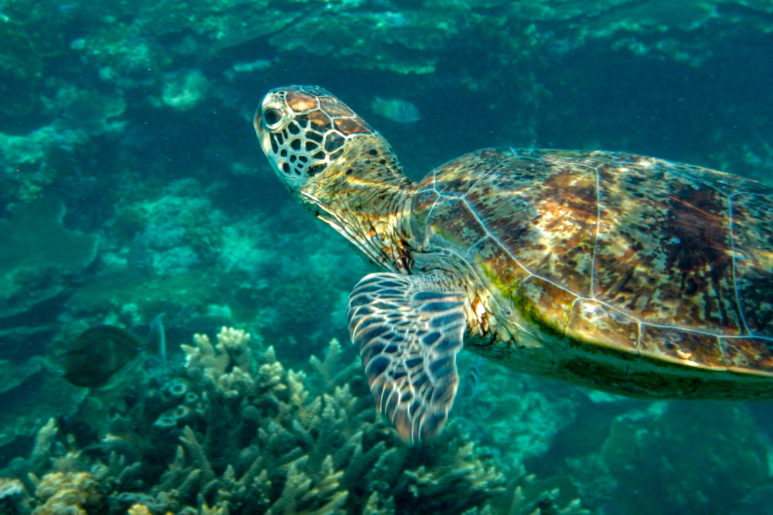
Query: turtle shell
pixel 627 273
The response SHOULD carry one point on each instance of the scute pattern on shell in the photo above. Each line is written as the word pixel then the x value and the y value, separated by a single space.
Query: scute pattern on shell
pixel 666 260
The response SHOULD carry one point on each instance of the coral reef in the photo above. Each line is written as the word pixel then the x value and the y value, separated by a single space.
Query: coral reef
pixel 167 57
pixel 14 499
pixel 38 395
pixel 33 161
pixel 256 437
pixel 515 415
pixel 184 90
pixel 653 455
pixel 180 252
pixel 411 39
pixel 42 261
pixel 38 250
pixel 67 492
pixel 135 115
pixel 171 233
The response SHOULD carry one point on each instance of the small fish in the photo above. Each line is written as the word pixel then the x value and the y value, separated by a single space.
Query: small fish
pixel 100 352
pixel 396 109
pixel 104 355
pixel 259 65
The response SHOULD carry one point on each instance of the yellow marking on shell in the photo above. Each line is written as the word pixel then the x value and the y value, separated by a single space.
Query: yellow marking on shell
pixel 506 289
pixel 520 320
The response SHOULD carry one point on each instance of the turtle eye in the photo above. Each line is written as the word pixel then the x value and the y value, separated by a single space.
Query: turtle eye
pixel 272 117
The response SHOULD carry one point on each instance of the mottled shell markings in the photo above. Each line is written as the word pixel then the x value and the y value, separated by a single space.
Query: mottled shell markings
pixel 579 231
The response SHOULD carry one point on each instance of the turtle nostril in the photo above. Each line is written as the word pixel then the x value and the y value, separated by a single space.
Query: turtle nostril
pixel 271 116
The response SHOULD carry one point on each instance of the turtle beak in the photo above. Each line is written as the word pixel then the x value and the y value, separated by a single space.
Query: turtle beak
pixel 263 135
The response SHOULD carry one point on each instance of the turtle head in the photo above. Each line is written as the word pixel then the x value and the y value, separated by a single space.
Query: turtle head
pixel 304 130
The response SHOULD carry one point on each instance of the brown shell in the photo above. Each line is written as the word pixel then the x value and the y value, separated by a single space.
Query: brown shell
pixel 619 265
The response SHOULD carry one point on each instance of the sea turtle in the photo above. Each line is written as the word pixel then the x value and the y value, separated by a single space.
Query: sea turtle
pixel 620 272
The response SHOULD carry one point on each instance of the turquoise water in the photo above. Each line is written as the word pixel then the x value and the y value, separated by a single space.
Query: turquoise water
pixel 132 185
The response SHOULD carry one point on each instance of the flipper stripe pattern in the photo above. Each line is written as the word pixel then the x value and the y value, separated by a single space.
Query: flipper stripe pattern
pixel 408 334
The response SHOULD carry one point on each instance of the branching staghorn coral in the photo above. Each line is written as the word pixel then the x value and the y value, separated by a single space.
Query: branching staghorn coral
pixel 259 438
pixel 226 365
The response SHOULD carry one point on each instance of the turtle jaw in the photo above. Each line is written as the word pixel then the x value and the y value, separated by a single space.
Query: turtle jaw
pixel 264 138
pixel 271 122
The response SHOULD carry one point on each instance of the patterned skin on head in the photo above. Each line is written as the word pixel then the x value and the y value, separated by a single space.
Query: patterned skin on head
pixel 302 130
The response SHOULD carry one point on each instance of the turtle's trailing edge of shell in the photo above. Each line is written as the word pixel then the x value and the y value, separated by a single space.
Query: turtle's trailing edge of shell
pixel 557 263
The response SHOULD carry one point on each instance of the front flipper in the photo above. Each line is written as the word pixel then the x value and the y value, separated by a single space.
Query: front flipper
pixel 408 330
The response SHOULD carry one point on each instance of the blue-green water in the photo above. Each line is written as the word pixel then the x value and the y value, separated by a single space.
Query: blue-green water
pixel 132 184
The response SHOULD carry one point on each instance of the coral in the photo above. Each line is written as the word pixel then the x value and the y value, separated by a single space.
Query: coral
pixel 36 398
pixel 262 439
pixel 10 488
pixel 67 492
pixel 39 256
pixel 14 374
pixel 404 41
pixel 175 231
pixel 639 28
pixel 87 110
pixel 184 90
pixel 160 257
pixel 226 366
pixel 24 159
pixel 139 509
pixel 318 447
pixel 14 498
pixel 32 161
pixel 659 454
pixel 31 35
pixel 512 413
pixel 42 262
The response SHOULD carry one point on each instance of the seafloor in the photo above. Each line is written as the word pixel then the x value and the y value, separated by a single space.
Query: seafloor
pixel 132 185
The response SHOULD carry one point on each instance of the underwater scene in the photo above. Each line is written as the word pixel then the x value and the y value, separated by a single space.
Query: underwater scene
pixel 176 329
